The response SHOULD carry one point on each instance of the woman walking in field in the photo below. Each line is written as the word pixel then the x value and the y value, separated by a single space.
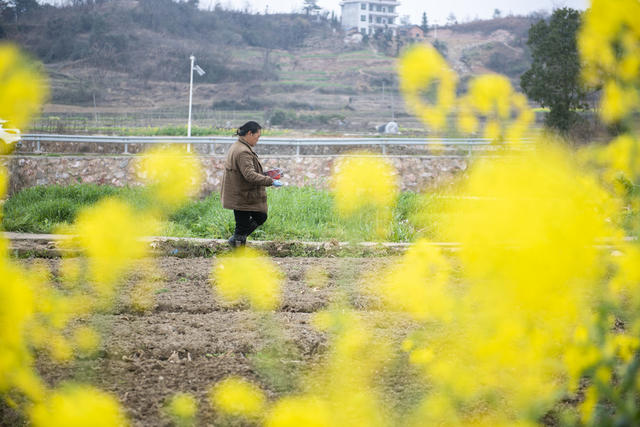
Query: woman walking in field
pixel 243 184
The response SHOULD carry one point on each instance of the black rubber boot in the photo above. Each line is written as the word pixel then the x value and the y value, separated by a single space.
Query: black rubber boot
pixel 252 227
pixel 237 240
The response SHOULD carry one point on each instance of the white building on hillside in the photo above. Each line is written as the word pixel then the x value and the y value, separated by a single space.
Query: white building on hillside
pixel 367 16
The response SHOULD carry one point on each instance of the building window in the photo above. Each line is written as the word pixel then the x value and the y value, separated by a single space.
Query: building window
pixel 384 9
pixel 391 21
pixel 378 20
pixel 363 31
pixel 391 8
pixel 378 8
pixel 363 18
pixel 363 6
pixel 370 18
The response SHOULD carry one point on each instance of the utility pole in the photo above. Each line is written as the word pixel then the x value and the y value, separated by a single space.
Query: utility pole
pixel 200 72
pixel 192 58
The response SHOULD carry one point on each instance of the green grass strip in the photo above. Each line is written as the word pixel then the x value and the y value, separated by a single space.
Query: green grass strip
pixel 294 214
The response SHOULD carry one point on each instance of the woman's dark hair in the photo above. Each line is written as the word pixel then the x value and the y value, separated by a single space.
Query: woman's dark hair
pixel 252 127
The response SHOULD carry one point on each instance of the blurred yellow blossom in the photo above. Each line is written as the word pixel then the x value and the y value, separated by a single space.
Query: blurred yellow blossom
pixel 424 73
pixel 59 347
pixel 23 88
pixel 345 383
pixel 609 45
pixel 418 283
pixel 71 272
pixel 621 156
pixel 490 94
pixel 617 101
pixel 589 404
pixel 492 98
pixel 531 268
pixel 305 411
pixel 360 182
pixel 78 406
pixel 15 355
pixel 246 273
pixel 173 174
pixel 237 396
pixel 86 339
pixel 183 407
pixel 112 236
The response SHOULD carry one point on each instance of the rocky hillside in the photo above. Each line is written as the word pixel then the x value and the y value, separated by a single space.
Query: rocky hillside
pixel 126 58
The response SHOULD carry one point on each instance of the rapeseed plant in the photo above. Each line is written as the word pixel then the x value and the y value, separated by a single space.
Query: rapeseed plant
pixel 339 392
pixel 540 310
pixel 77 406
pixel 609 44
pixel 296 411
pixel 172 175
pixel 492 98
pixel 24 89
pixel 182 408
pixel 44 317
pixel 418 284
pixel 365 189
pixel 247 274
pixel 425 74
pixel 238 397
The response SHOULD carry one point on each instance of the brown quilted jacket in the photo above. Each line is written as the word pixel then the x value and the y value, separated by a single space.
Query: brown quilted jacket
pixel 243 182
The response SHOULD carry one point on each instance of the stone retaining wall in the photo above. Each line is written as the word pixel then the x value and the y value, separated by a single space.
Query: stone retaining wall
pixel 414 172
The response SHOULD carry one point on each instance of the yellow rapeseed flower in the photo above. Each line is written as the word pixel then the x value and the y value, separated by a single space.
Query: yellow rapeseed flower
pixel 366 185
pixel 423 72
pixel 531 271
pixel 492 97
pixel 588 406
pixel 418 283
pixel 78 406
pixel 182 406
pixel 346 383
pixel 15 355
pixel 617 102
pixel 236 396
pixel 305 411
pixel 490 94
pixel 111 234
pixel 246 273
pixel 173 174
pixel 23 88
pixel 609 45
pixel 86 339
pixel 362 180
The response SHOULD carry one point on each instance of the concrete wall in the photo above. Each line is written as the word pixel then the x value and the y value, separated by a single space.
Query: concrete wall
pixel 351 16
pixel 414 172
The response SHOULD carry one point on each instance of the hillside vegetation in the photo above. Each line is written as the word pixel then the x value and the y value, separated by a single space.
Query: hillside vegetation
pixel 129 59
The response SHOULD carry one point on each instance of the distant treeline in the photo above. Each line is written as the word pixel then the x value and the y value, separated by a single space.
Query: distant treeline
pixel 150 39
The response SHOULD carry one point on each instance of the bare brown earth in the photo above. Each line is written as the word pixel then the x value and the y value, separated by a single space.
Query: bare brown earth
pixel 192 339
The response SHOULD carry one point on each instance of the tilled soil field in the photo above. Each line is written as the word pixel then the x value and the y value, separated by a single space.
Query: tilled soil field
pixel 192 339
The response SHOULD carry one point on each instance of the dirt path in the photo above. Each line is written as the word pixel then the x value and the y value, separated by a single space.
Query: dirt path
pixel 192 339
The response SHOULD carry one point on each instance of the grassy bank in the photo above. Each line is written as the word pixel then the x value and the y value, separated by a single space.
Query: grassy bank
pixel 295 214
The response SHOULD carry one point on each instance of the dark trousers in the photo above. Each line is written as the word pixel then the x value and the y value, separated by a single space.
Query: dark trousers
pixel 247 222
